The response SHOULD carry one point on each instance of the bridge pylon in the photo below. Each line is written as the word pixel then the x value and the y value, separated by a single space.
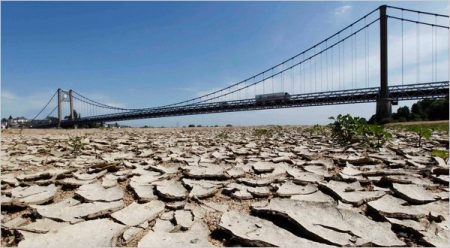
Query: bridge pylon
pixel 60 98
pixel 384 105
pixel 72 117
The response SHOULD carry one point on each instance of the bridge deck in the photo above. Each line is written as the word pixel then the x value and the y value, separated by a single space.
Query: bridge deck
pixel 397 92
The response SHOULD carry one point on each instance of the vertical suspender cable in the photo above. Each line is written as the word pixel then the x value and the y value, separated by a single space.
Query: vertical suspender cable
pixel 418 50
pixel 365 55
pixel 343 64
pixel 368 58
pixel 355 59
pixel 339 46
pixel 264 85
pixel 332 67
pixel 402 52
pixel 272 82
pixel 321 72
pixel 326 64
pixel 436 48
pixel 432 54
pixel 351 54
pixel 292 73
pixel 315 71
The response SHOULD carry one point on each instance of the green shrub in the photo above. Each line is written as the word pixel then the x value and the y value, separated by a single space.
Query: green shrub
pixel 347 129
pixel 374 135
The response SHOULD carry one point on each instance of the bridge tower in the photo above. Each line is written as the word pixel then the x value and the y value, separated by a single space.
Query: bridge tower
pixel 384 106
pixel 72 117
pixel 59 107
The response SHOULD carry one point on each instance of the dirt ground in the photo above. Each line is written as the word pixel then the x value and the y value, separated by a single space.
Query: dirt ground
pixel 249 186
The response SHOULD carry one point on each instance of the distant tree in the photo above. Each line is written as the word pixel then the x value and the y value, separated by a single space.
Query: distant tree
pixel 191 125
pixel 10 118
pixel 229 125
pixel 438 110
pixel 402 114
pixel 423 110
pixel 199 125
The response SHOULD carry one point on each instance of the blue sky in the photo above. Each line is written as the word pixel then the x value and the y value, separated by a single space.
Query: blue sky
pixel 142 54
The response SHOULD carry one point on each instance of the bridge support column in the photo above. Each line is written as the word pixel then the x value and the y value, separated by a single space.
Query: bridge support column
pixel 384 106
pixel 59 107
pixel 72 117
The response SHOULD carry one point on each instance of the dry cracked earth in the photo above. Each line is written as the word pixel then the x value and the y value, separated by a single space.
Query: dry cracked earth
pixel 219 187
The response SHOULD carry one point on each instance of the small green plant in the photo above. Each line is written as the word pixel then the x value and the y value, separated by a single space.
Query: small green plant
pixel 223 135
pixel 316 130
pixel 374 135
pixel 421 131
pixel 347 129
pixel 262 132
pixel 440 153
pixel 76 145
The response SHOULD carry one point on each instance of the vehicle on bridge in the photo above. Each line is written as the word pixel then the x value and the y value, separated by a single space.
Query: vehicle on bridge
pixel 273 97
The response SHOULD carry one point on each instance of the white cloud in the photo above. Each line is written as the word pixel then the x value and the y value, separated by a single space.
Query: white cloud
pixel 8 95
pixel 343 10
pixel 18 105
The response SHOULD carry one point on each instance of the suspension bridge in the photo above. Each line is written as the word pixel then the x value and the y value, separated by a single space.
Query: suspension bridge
pixel 390 54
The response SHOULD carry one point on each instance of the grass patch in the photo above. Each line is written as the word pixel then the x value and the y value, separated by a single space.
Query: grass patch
pixel 440 153
pixel 440 126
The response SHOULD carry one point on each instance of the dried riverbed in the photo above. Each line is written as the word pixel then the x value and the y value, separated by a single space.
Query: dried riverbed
pixel 219 187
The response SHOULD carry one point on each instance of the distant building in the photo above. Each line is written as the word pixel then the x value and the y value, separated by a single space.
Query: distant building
pixel 14 122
